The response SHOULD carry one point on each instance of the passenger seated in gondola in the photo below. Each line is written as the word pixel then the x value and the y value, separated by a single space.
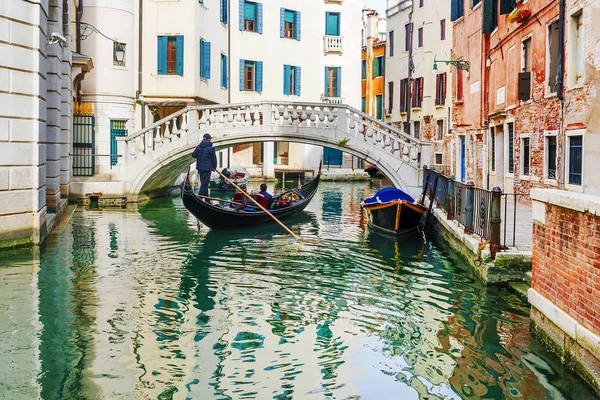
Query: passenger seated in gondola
pixel 240 198
pixel 263 191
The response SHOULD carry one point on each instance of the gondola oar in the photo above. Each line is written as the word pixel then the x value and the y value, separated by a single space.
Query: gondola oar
pixel 258 204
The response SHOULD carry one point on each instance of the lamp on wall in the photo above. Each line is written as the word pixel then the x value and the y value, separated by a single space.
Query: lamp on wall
pixel 460 64
pixel 119 53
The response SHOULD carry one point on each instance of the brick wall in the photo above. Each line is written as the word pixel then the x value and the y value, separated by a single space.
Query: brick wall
pixel 566 254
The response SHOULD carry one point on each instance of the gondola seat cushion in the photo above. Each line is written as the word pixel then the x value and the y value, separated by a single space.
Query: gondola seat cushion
pixel 262 200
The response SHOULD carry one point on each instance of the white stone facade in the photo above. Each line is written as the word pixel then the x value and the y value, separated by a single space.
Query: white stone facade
pixel 35 99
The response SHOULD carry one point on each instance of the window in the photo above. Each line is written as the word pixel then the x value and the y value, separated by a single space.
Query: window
pixel 332 24
pixel 490 15
pixel 291 80
pixel 364 69
pixel 363 104
pixel 439 158
pixel 117 129
pixel 408 28
pixel 332 81
pixel 417 93
pixel 493 146
pixel 511 152
pixel 170 55
pixel 525 156
pixel 439 133
pixel 575 159
pixel 378 66
pixel 524 85
pixel 204 59
pixel 119 54
pixel 391 43
pixel 223 9
pixel 440 89
pixel 552 58
pixel 404 88
pixel 457 9
pixel 417 129
pixel 576 40
pixel 289 24
pixel 379 106
pixel 224 71
pixel 474 3
pixel 421 3
pixel 443 29
pixel 251 14
pixel 390 97
pixel 420 44
pixel 459 85
pixel 550 156
pixel 251 74
pixel 406 127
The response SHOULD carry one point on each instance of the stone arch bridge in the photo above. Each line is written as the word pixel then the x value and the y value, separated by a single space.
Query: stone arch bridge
pixel 151 159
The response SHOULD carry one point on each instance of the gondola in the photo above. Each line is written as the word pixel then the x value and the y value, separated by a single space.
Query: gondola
pixel 393 211
pixel 216 216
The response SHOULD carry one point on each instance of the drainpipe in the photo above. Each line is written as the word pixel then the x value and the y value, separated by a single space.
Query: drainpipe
pixel 410 63
pixel 78 23
pixel 138 92
pixel 560 85
pixel 229 59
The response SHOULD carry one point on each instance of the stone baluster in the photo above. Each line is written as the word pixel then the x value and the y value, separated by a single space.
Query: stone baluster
pixel 192 121
pixel 256 117
pixel 167 134
pixel 175 129
pixel 184 123
pixel 247 118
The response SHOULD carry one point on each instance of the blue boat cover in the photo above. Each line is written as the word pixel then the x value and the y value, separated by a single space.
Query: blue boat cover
pixel 388 194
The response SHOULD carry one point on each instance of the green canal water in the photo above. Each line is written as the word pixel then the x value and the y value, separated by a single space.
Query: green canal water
pixel 144 303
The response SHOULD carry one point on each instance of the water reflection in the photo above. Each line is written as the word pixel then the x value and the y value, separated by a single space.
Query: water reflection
pixel 151 304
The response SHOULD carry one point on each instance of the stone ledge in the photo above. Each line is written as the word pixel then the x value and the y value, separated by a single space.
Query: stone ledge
pixel 571 200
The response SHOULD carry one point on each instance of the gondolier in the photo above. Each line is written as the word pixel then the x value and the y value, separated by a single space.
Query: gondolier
pixel 206 162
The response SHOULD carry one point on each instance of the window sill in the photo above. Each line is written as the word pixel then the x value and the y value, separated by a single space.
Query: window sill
pixel 478 5
pixel 550 95
pixel 440 106
pixel 462 17
pixel 115 67
pixel 458 102
pixel 575 188
pixel 223 88
pixel 524 177
pixel 552 182
pixel 167 76
pixel 417 109
pixel 224 24
pixel 525 102
pixel 201 4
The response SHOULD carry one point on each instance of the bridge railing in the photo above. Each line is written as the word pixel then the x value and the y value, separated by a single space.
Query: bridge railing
pixel 353 123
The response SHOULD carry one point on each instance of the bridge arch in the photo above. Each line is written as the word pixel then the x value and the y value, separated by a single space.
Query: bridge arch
pixel 154 157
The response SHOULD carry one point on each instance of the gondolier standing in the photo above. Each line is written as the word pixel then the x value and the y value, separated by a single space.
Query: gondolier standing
pixel 206 162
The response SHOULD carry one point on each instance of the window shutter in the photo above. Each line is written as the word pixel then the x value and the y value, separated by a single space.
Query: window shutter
pixel 287 70
pixel 506 6
pixel 297 77
pixel 421 83
pixel 162 55
pixel 179 55
pixel 242 63
pixel 223 10
pixel 327 23
pixel 259 17
pixel 375 67
pixel 223 70
pixel 201 57
pixel 206 60
pixel 297 25
pixel 487 16
pixel 242 19
pixel 443 99
pixel 390 96
pixel 382 66
pixel 258 76
pixel 326 86
pixel 282 22
pixel 338 81
pixel 524 86
pixel 454 10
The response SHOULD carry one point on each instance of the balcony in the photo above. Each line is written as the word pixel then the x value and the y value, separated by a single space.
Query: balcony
pixel 334 1
pixel 333 44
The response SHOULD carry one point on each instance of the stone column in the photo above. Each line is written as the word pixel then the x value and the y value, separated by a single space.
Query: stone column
pixel 268 166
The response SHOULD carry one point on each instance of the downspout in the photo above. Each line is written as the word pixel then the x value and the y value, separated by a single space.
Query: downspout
pixel 78 43
pixel 410 64
pixel 229 59
pixel 560 85
pixel 138 93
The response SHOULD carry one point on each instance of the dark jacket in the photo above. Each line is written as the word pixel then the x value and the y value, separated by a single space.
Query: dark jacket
pixel 206 158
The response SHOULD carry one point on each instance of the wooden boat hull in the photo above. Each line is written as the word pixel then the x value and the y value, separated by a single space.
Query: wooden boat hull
pixel 395 217
pixel 217 217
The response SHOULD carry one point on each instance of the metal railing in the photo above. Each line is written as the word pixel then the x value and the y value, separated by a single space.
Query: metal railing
pixel 476 209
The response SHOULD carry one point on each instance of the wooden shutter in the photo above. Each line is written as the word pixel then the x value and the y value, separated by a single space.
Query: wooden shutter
pixel 259 18
pixel 258 77
pixel 375 67
pixel 297 25
pixel 338 81
pixel 162 55
pixel 297 77
pixel 455 11
pixel 206 60
pixel 326 86
pixel 242 65
pixel 506 6
pixel 282 22
pixel 524 86
pixel 390 96
pixel 488 10
pixel 443 99
pixel 179 55
pixel 287 70
pixel 242 18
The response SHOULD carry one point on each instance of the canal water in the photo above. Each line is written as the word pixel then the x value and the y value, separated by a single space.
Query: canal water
pixel 145 303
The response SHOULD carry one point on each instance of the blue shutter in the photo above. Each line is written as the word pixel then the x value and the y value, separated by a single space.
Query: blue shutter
pixel 297 81
pixel 258 76
pixel 162 55
pixel 224 11
pixel 201 56
pixel 179 55
pixel 297 25
pixel 259 17
pixel 242 7
pixel 242 62
pixel 282 22
pixel 287 69
pixel 338 81
pixel 454 10
pixel 326 86
pixel 206 60
pixel 327 23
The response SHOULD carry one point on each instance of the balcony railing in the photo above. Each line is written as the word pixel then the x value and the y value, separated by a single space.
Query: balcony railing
pixel 332 100
pixel 334 1
pixel 333 44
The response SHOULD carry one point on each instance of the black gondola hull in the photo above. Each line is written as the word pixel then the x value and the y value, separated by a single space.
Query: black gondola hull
pixel 394 218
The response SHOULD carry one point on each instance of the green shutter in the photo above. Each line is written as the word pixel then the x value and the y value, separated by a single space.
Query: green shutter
pixel 242 65
pixel 162 55
pixel 258 76
pixel 297 25
pixel 338 81
pixel 375 67
pixel 179 55
pixel 287 70
pixel 242 10
pixel 297 78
